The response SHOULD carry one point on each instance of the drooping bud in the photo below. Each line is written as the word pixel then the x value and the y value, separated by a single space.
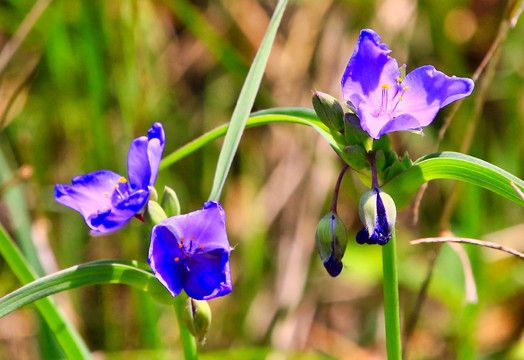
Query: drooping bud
pixel 170 202
pixel 154 214
pixel 197 318
pixel 378 214
pixel 328 110
pixel 331 240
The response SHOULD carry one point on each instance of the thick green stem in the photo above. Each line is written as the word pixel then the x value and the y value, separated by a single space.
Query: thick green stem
pixel 391 303
pixel 188 340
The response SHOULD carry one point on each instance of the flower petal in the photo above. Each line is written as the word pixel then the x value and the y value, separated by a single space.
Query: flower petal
pixel 143 159
pixel 368 68
pixel 428 90
pixel 157 139
pixel 209 275
pixel 207 227
pixel 120 214
pixel 162 253
pixel 88 193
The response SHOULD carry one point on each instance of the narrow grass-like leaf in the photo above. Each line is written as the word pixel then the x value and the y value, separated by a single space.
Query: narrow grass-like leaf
pixel 245 103
pixel 457 166
pixel 65 333
pixel 92 273
pixel 302 116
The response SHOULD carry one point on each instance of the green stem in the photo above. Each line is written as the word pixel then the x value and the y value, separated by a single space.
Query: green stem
pixel 188 340
pixel 391 303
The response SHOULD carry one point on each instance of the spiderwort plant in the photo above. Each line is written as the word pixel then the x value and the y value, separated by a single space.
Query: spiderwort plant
pixel 191 252
pixel 107 200
pixel 386 102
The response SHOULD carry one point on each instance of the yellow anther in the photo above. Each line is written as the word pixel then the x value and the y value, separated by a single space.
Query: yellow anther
pixel 192 237
pixel 122 180
pixel 177 259
pixel 405 88
pixel 200 247
pixel 399 80
pixel 400 98
pixel 105 194
pixel 182 239
pixel 385 86
pixel 180 246
pixel 116 186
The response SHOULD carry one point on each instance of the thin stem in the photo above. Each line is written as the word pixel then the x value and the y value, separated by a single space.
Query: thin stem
pixel 468 241
pixel 374 179
pixel 188 341
pixel 337 188
pixel 391 302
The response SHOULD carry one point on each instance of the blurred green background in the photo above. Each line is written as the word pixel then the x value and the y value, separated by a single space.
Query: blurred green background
pixel 91 75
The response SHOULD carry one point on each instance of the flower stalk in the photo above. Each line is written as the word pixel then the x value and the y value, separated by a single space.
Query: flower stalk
pixel 188 341
pixel 391 301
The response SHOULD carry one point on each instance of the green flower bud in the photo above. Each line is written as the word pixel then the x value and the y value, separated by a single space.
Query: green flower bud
pixel 355 156
pixel 331 240
pixel 328 110
pixel 378 214
pixel 154 214
pixel 197 318
pixel 170 202
pixel 352 130
pixel 153 195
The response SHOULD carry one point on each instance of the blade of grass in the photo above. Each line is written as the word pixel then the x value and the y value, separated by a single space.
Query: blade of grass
pixel 245 103
pixel 65 333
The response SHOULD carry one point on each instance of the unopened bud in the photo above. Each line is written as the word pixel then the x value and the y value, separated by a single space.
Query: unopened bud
pixel 355 156
pixel 378 214
pixel 328 110
pixel 154 214
pixel 197 318
pixel 331 240
pixel 153 195
pixel 352 130
pixel 170 202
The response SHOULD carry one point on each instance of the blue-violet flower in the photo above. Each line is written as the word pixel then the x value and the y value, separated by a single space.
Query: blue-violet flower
pixel 384 101
pixel 378 214
pixel 191 252
pixel 108 200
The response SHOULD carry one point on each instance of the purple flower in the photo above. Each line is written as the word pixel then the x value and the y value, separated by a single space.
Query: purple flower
pixel 108 200
pixel 191 252
pixel 383 101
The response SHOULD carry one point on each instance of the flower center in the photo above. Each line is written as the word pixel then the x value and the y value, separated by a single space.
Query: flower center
pixel 187 252
pixel 384 107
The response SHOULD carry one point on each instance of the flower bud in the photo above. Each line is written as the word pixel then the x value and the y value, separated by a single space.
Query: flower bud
pixel 170 202
pixel 355 156
pixel 153 195
pixel 197 318
pixel 353 133
pixel 328 110
pixel 378 214
pixel 331 240
pixel 154 214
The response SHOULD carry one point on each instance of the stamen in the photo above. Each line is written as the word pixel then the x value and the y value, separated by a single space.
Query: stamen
pixel 192 237
pixel 177 259
pixel 122 180
pixel 405 88
pixel 399 80
pixel 385 86
pixel 105 194
pixel 180 246
pixel 181 239
pixel 400 98
pixel 201 247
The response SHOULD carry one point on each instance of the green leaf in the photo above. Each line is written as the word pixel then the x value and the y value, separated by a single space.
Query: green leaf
pixel 96 272
pixel 452 165
pixel 302 116
pixel 65 333
pixel 245 103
